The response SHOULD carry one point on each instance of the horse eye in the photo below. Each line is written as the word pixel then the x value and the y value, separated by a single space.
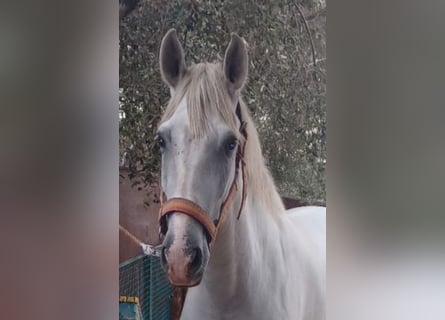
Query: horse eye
pixel 160 141
pixel 231 145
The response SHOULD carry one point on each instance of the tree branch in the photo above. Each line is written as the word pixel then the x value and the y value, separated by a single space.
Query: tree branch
pixel 314 59
pixel 316 14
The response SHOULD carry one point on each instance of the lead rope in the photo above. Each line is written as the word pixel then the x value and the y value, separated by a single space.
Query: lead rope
pixel 146 248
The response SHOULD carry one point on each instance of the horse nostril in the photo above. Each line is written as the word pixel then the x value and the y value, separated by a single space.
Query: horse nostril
pixel 195 260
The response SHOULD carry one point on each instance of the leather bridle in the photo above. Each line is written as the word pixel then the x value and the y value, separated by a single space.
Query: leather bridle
pixel 190 208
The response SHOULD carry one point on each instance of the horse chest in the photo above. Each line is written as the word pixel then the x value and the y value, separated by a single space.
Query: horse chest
pixel 230 312
pixel 243 304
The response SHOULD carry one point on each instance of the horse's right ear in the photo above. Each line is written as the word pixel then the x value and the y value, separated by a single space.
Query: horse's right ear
pixel 171 59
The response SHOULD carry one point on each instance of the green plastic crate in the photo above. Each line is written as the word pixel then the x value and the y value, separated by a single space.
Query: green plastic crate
pixel 143 277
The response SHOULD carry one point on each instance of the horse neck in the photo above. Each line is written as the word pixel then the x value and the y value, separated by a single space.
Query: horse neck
pixel 240 248
pixel 241 245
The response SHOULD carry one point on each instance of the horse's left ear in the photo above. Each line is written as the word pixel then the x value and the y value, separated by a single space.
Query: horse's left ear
pixel 236 63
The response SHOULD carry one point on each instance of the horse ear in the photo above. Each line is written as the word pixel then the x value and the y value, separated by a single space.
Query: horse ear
pixel 171 59
pixel 236 62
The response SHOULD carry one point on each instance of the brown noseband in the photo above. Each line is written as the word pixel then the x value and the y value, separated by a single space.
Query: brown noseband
pixel 193 210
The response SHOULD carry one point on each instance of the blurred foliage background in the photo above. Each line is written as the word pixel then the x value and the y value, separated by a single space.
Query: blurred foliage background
pixel 286 90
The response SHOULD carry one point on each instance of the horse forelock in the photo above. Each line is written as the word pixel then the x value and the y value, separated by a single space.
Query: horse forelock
pixel 205 90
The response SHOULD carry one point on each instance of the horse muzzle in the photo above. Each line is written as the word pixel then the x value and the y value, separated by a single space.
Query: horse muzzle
pixel 184 266
pixel 188 235
pixel 185 251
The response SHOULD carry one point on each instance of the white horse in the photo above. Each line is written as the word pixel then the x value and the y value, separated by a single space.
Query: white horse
pixel 264 264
